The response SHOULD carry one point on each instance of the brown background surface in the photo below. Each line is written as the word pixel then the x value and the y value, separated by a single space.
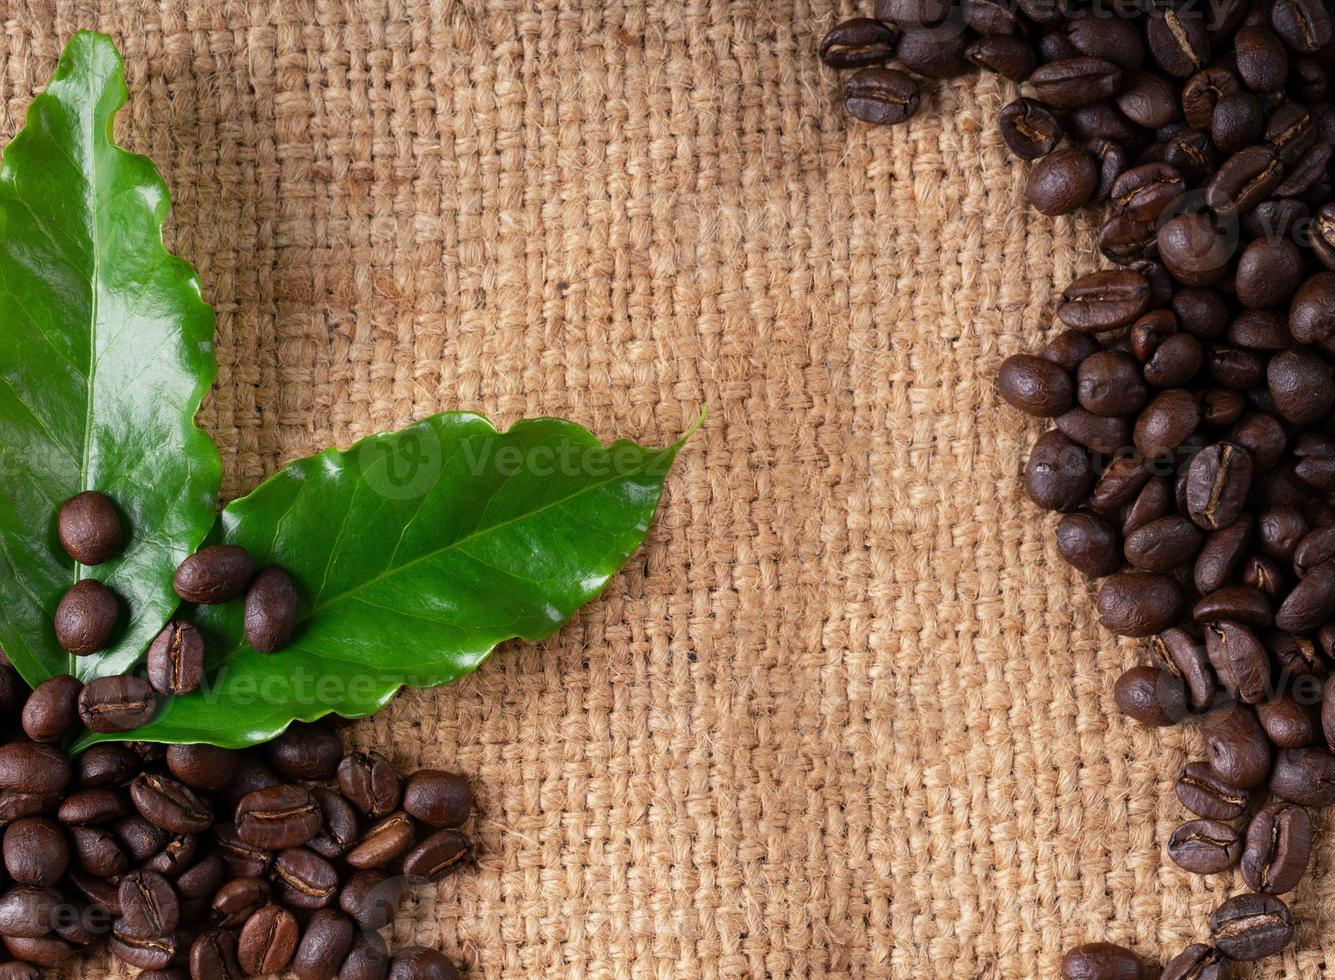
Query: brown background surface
pixel 846 715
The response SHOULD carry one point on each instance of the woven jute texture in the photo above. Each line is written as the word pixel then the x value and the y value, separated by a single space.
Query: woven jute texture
pixel 846 714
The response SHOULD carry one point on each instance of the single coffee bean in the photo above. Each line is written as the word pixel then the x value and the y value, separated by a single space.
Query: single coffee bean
pixel 383 842
pixel 1089 544
pixel 90 528
pixel 144 952
pixel 1203 91
pixel 1148 100
pixel 149 905
pixel 1305 776
pixel 1204 847
pixel 1164 545
pixel 170 805
pixel 1279 528
pixel 203 767
pixel 1316 547
pixel 306 751
pixel 1288 724
pixel 882 96
pixel 437 798
pixel 1185 658
pixel 140 838
pixel 106 765
pixel 93 806
pixel 176 659
pixel 1058 475
pixel 1268 273
pixel 1304 25
pixel 116 704
pixel 1278 848
pixel 1166 422
pixel 1218 481
pixel 1104 300
pixel 1178 40
pixel 44 951
pixel 1110 383
pixel 338 828
pixel 213 957
pixel 1069 349
pixel 370 783
pixel 1193 249
pixel 1029 129
pixel 36 851
pixel 1144 192
pixel 1010 57
pixel 372 897
pixel 252 774
pixel 324 947
pixel 98 851
pixel 176 856
pixel 1238 121
pixel 1311 602
pixel 1263 60
pixel 445 851
pixel 1150 696
pixel 243 860
pixel 1198 962
pixel 52 712
pixel 1140 603
pixel 203 879
pixel 26 767
pixel 1063 181
pixel 1236 602
pixel 277 818
pixel 1074 82
pixel 1239 659
pixel 268 941
pixel 86 618
pixel 1096 432
pixel 1249 927
pixel 238 900
pixel 98 891
pixel 1034 385
pixel 215 574
pixel 368 960
pixel 1237 748
pixel 1312 312
pixel 932 53
pixel 855 43
pixel 1176 361
pixel 304 880
pixel 419 963
pixel 1301 385
pixel 1119 483
pixel 28 911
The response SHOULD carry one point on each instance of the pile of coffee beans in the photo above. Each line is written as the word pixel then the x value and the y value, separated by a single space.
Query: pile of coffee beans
pixel 1192 453
pixel 195 861
pixel 92 532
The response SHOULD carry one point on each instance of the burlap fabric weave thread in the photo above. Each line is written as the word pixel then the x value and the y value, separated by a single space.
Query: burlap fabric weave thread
pixel 847 714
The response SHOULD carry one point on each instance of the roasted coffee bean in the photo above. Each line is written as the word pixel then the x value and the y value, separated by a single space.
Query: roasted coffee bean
pixel 1100 36
pixel 1236 602
pixel 1237 748
pixel 1288 724
pixel 43 951
pixel 1278 848
pixel 1074 82
pixel 338 829
pixel 90 528
pixel 277 818
pixel 140 838
pixel 1218 481
pixel 52 712
pixel 1029 129
pixel 149 905
pixel 1098 433
pixel 1239 660
pixel 144 952
pixel 1109 383
pixel 1148 100
pixel 1304 25
pixel 881 96
pixel 1175 361
pixel 238 900
pixel 203 879
pixel 1166 422
pixel 86 617
pixel 1063 181
pixel 1277 219
pixel 176 856
pixel 372 897
pixel 1155 500
pixel 1140 603
pixel 932 53
pixel 1165 544
pixel 384 841
pixel 1312 312
pixel 304 880
pixel 1249 927
pixel 203 767
pixel 1268 273
pixel 36 851
pixel 213 957
pixel 1301 385
pixel 368 960
pixel 307 751
pixel 445 851
pixel 268 941
pixel 1311 602
pixel 1279 528
pixel 176 659
pixel 116 704
pixel 1263 60
pixel 107 765
pixel 1221 555
pixel 1198 962
pixel 1221 407
pixel 1202 92
pixel 1316 547
pixel 98 891
pixel 1193 248
pixel 437 798
pixel 370 783
pixel 98 851
pixel 324 947
pixel 1010 57
pixel 419 963
pixel 28 911
pixel 1262 436
pixel 171 805
pixel 1089 544
pixel 1119 483
pixel 215 574
pixel 252 774
pixel 925 13
pixel 1069 349
pixel 26 767
pixel 1185 658
pixel 1205 847
pixel 1177 39
pixel 1104 301
pixel 93 806
pixel 1034 385
pixel 1238 121
pixel 856 43
pixel 1305 776
pixel 1126 241
pixel 242 859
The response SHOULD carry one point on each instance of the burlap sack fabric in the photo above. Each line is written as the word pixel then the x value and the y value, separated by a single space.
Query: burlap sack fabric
pixel 846 714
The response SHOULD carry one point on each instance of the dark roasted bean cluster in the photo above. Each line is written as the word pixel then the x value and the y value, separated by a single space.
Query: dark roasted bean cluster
pixel 195 861
pixel 1192 453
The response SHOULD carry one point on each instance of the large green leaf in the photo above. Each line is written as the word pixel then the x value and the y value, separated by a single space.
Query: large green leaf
pixel 416 553
pixel 106 349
